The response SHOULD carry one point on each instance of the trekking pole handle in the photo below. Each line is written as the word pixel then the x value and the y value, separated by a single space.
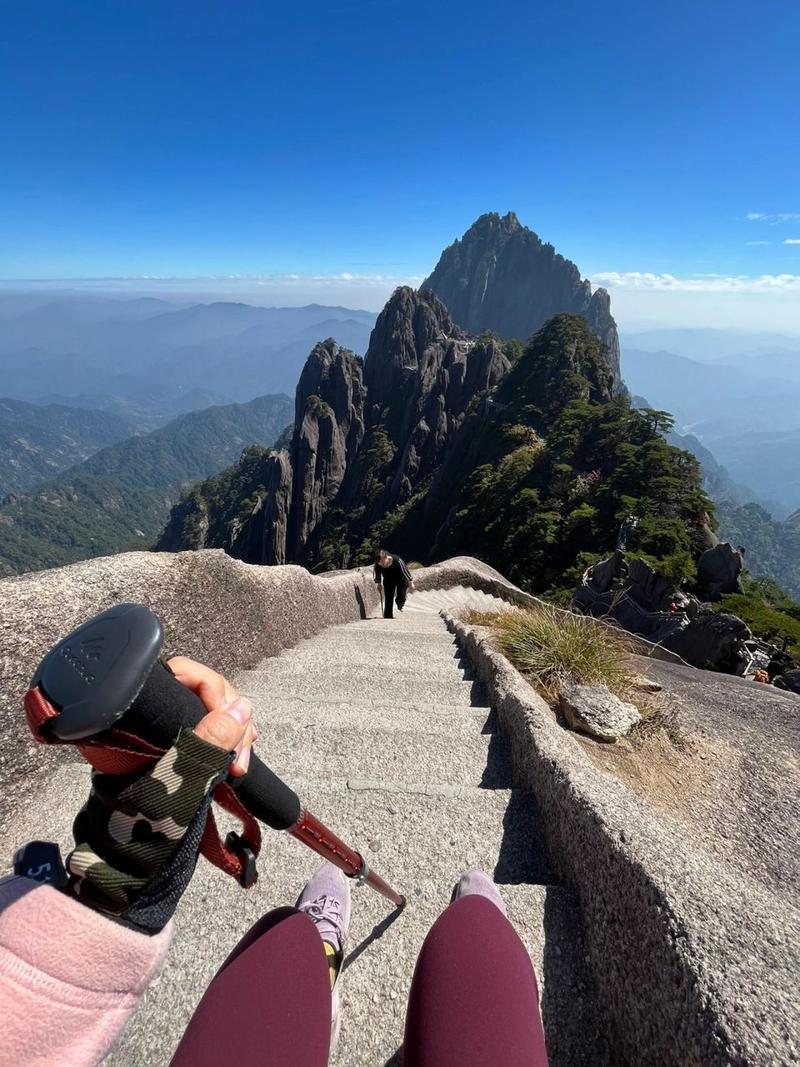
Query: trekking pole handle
pixel 164 707
pixel 106 676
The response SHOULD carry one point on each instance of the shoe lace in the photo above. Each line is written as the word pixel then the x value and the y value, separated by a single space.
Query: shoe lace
pixel 326 912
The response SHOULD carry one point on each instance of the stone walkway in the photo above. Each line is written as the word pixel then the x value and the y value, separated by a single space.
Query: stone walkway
pixel 386 738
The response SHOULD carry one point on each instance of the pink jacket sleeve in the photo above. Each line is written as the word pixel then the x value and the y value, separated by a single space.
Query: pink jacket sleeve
pixel 69 978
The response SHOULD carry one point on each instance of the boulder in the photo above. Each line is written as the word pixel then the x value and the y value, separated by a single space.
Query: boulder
pixel 789 680
pixel 714 641
pixel 650 590
pixel 594 710
pixel 718 571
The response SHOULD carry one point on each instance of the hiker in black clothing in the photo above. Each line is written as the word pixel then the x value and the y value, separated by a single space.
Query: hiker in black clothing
pixel 397 581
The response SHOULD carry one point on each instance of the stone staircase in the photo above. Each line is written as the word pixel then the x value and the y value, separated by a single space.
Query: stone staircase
pixel 385 736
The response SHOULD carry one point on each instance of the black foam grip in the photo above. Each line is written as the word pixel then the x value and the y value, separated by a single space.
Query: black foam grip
pixel 164 707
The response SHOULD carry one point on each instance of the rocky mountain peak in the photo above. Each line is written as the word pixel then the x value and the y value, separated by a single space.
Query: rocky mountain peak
pixel 501 276
pixel 334 376
pixel 563 361
pixel 406 331
pixel 329 429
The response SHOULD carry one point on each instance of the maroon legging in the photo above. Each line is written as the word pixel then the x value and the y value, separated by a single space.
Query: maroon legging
pixel 473 998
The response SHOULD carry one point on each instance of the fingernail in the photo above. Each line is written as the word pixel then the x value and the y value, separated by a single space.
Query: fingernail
pixel 243 762
pixel 241 710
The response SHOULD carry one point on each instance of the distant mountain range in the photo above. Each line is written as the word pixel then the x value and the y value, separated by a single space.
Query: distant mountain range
pixel 37 443
pixel 148 360
pixel 120 497
pixel 749 419
pixel 772 547
pixel 751 472
pixel 708 345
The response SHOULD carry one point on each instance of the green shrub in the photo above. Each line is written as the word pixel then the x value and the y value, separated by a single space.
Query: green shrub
pixel 763 620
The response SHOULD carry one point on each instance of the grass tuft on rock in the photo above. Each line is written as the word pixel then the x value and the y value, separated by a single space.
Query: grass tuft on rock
pixel 658 716
pixel 552 646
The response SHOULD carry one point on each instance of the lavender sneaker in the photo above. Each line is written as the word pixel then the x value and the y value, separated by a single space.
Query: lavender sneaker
pixel 326 901
pixel 476 883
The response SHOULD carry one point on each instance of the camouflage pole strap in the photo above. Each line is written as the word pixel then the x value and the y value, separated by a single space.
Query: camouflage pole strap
pixel 137 842
pixel 117 755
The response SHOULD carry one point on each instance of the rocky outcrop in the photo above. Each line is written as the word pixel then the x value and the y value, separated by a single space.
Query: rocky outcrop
pixel 594 710
pixel 719 570
pixel 598 315
pixel 329 430
pixel 421 373
pixel 283 494
pixel 501 276
pixel 644 602
pixel 789 681
pixel 262 533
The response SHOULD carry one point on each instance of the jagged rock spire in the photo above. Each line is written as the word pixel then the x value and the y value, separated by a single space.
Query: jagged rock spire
pixel 501 276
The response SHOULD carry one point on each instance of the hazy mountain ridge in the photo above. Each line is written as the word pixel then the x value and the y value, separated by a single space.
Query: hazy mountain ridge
pixel 709 345
pixel 38 442
pixel 772 549
pixel 151 357
pixel 750 422
pixel 120 497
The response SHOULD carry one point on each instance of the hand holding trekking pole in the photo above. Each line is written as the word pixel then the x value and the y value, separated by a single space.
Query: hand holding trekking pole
pixel 103 689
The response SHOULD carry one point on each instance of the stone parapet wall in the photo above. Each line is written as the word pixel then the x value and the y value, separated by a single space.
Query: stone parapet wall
pixel 694 965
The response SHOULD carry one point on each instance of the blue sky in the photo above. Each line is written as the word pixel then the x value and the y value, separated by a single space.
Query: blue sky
pixel 166 138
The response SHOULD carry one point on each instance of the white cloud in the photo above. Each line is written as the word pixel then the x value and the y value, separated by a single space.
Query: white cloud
pixel 792 241
pixel 267 280
pixel 753 243
pixel 773 219
pixel 740 283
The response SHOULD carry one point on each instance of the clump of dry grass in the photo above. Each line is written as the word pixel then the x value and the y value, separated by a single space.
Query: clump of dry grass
pixel 657 716
pixel 553 646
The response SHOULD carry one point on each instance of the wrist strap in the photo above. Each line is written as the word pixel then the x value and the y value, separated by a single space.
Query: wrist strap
pixel 118 752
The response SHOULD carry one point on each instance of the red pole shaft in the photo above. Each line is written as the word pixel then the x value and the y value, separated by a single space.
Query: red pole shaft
pixel 317 836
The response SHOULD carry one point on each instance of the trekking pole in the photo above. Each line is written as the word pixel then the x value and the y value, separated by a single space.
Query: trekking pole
pixel 380 590
pixel 102 688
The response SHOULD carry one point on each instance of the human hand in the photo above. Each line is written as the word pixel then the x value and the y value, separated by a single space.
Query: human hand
pixel 229 722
